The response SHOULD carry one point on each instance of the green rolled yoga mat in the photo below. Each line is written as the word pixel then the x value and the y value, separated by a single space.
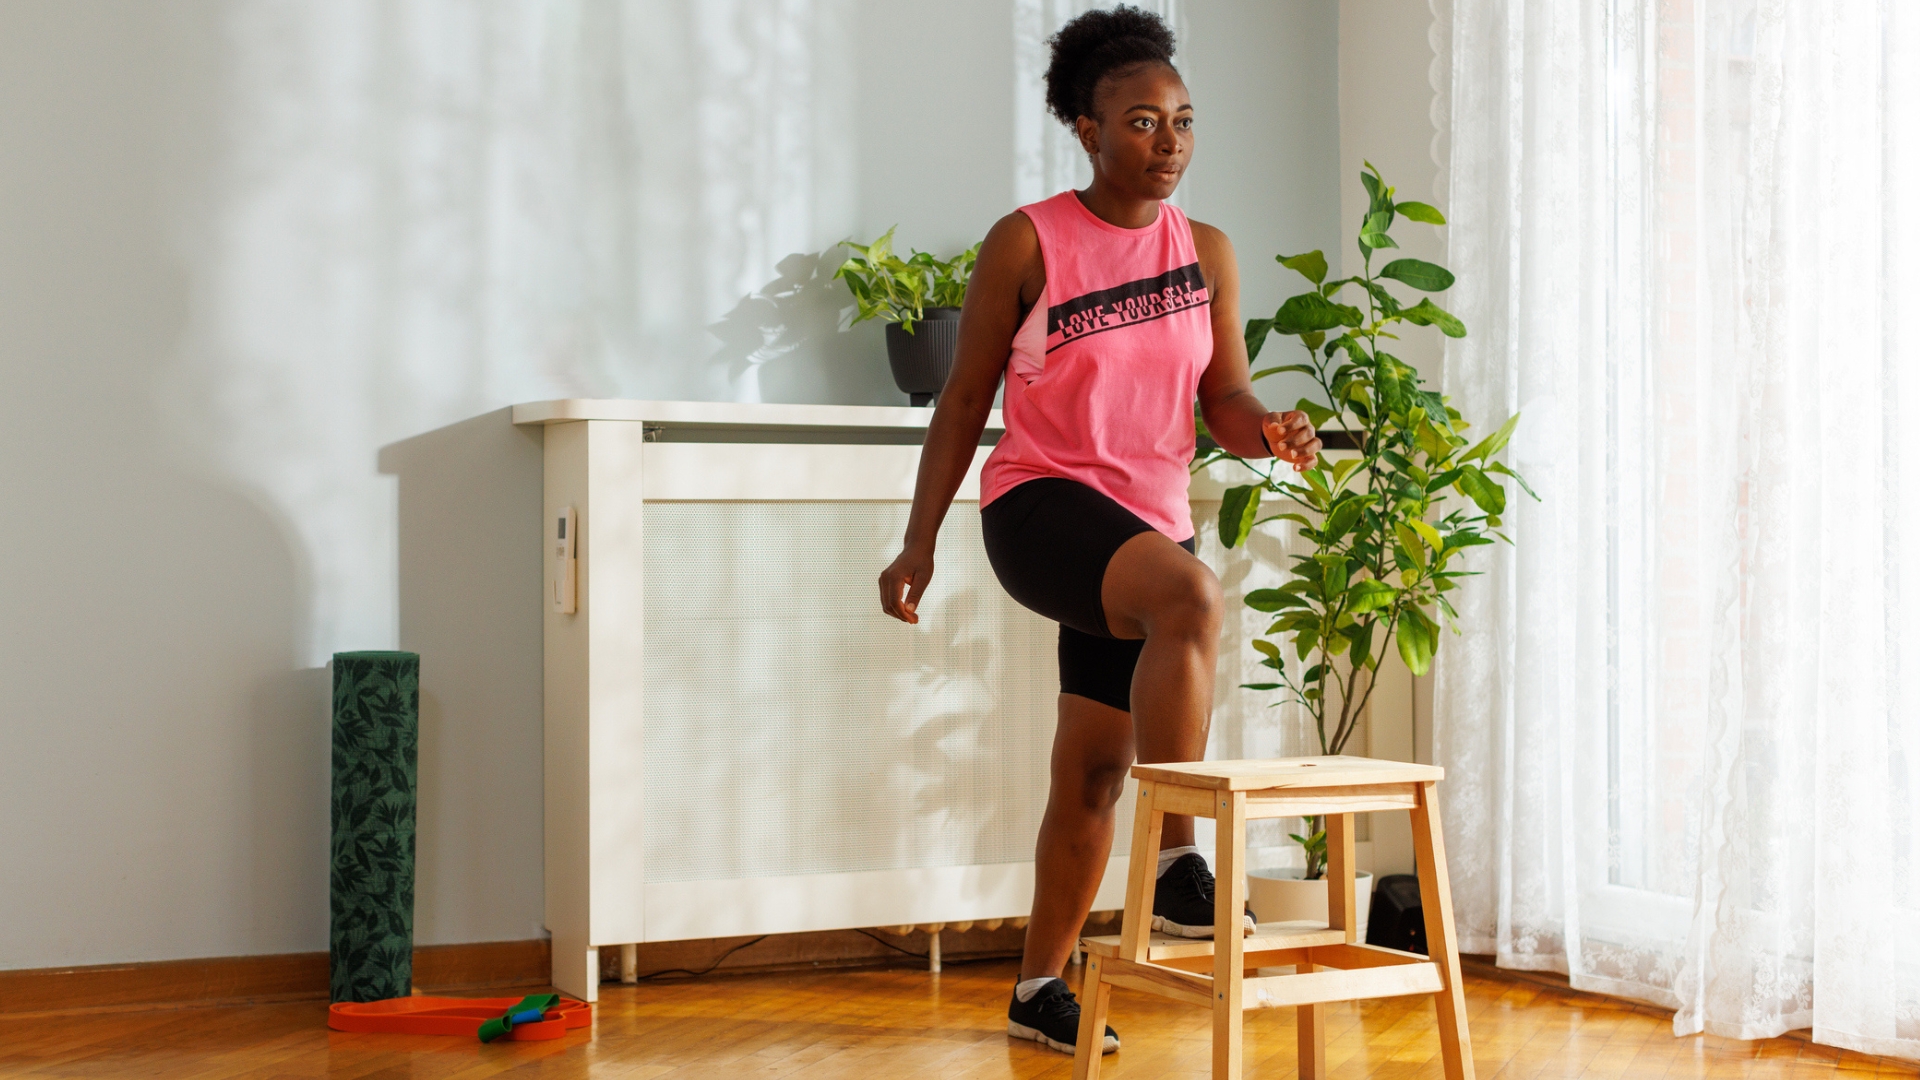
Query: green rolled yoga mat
pixel 376 752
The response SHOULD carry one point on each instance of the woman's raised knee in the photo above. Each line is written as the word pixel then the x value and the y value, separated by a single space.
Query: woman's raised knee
pixel 1191 602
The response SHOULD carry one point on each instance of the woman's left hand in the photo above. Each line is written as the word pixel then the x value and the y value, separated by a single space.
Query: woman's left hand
pixel 1291 437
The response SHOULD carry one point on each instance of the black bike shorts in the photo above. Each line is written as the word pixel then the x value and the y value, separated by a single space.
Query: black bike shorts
pixel 1049 541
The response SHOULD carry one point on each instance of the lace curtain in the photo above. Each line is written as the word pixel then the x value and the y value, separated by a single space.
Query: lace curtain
pixel 1682 724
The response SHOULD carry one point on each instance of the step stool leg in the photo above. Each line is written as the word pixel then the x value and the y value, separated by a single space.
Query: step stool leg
pixel 1312 1019
pixel 1436 904
pixel 1136 920
pixel 1095 993
pixel 1341 910
pixel 1229 933
pixel 1312 1023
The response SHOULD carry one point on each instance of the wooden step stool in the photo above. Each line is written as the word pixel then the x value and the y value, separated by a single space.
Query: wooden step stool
pixel 1329 964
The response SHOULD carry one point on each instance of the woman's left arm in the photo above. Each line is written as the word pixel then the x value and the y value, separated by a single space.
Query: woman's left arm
pixel 1235 417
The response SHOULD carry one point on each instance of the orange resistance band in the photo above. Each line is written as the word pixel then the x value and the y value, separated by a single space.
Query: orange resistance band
pixel 453 1016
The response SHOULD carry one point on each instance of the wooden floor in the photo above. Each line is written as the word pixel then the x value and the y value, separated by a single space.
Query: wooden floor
pixel 899 1022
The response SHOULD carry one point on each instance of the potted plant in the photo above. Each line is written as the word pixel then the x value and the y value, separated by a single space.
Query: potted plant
pixel 920 297
pixel 1386 526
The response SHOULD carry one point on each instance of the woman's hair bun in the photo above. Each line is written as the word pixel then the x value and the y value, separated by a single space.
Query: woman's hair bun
pixel 1097 44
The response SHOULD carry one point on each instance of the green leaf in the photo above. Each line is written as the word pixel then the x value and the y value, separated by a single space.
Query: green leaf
pixel 1309 312
pixel 1375 193
pixel 1384 300
pixel 1419 211
pixel 1427 313
pixel 1316 412
pixel 1376 240
pixel 1261 686
pixel 1337 570
pixel 1237 510
pixel 1428 533
pixel 1257 331
pixel 1493 443
pixel 1496 467
pixel 1266 648
pixel 1370 595
pixel 1317 494
pixel 1342 519
pixel 1304 642
pixel 1312 265
pixel 1418 273
pixel 1415 641
pixel 1412 543
pixel 1350 345
pixel 1304 369
pixel 1485 493
pixel 1267 600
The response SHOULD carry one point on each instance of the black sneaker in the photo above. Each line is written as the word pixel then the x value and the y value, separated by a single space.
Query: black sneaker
pixel 1183 899
pixel 1052 1018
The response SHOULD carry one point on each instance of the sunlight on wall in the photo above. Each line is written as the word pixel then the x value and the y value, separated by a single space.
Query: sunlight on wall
pixel 428 211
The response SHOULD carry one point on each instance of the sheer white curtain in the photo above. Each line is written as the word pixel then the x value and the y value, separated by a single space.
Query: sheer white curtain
pixel 1682 725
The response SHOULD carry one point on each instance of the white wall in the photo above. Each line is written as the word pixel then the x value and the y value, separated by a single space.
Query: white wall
pixel 1387 117
pixel 1266 144
pixel 269 273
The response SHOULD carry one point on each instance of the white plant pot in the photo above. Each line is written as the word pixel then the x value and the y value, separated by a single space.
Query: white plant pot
pixel 1281 894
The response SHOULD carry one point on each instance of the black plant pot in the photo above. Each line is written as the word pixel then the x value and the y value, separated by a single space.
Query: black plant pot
pixel 922 360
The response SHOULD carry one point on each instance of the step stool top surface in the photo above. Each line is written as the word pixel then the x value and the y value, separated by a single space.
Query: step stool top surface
pixel 1301 772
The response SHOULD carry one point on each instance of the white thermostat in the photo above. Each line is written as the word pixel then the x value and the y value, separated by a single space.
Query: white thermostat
pixel 564 533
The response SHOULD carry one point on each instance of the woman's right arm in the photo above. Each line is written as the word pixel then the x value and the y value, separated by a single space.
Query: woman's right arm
pixel 1007 280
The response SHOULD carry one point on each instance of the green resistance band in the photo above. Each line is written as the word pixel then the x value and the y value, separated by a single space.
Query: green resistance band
pixel 531 1009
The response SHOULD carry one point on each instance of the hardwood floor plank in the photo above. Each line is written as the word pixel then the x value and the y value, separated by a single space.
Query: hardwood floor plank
pixel 901 1021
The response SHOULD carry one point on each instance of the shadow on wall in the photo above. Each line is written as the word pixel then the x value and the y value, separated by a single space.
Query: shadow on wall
pixel 788 340
pixel 985 751
pixel 470 605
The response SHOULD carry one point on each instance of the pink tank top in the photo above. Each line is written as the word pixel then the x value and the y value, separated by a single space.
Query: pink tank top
pixel 1103 373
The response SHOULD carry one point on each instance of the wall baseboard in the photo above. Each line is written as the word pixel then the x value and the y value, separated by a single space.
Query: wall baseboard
pixel 233 980
pixel 251 980
pixel 662 960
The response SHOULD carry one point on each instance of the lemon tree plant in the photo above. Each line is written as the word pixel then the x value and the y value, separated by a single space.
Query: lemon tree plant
pixel 1385 528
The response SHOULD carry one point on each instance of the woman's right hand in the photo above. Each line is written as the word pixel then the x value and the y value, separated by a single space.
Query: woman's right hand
pixel 908 574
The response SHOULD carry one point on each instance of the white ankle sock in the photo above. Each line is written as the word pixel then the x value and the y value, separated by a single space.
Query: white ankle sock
pixel 1168 856
pixel 1029 987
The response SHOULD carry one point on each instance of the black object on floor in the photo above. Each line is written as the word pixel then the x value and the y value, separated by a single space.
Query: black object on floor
pixel 1395 920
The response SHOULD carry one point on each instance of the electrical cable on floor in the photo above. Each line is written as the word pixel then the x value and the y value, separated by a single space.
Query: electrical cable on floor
pixel 755 941
pixel 705 970
pixel 922 956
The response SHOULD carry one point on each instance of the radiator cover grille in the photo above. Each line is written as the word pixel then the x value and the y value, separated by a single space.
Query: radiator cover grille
pixel 791 728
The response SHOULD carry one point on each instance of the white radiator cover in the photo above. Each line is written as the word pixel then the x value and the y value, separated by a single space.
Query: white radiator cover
pixel 842 740
pixel 737 741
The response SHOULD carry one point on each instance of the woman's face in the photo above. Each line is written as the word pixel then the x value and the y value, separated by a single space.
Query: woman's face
pixel 1143 138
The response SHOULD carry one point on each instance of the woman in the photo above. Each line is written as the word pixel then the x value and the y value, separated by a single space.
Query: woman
pixel 1108 312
